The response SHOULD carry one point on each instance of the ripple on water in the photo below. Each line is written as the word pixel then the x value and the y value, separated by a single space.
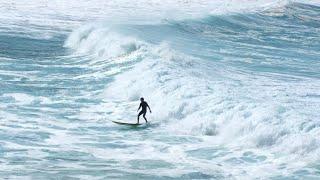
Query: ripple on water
pixel 246 158
pixel 200 175
pixel 208 153
pixel 26 138
pixel 108 145
pixel 72 155
pixel 144 164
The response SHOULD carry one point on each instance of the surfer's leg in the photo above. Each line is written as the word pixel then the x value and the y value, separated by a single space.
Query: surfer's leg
pixel 144 116
pixel 138 118
pixel 139 115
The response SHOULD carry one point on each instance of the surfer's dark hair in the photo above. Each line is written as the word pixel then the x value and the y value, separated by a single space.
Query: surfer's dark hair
pixel 141 98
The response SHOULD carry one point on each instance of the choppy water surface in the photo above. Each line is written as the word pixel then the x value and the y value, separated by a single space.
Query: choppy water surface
pixel 234 89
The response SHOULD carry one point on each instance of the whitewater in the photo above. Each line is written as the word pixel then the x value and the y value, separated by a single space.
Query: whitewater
pixel 234 88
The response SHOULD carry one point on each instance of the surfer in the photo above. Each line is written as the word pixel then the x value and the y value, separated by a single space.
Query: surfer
pixel 143 106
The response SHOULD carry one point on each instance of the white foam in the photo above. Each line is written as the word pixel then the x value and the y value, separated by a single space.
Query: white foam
pixel 194 97
pixel 102 43
pixel 21 98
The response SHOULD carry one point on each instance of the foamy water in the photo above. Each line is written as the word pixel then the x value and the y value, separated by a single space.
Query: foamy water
pixel 233 86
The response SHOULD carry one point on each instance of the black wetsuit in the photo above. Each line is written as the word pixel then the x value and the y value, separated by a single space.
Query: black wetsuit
pixel 143 106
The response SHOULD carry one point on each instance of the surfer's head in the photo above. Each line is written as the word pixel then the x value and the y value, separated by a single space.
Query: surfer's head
pixel 141 99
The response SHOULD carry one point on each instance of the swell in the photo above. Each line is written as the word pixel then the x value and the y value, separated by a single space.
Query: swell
pixel 273 40
pixel 244 80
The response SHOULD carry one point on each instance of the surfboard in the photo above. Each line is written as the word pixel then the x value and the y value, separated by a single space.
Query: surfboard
pixel 125 123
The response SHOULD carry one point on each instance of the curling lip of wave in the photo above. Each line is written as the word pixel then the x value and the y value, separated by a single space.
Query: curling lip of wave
pixel 101 42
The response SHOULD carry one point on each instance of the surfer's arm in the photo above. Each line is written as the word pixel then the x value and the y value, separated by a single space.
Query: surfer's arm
pixel 139 107
pixel 149 107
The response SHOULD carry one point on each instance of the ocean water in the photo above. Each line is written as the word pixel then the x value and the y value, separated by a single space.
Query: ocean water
pixel 234 87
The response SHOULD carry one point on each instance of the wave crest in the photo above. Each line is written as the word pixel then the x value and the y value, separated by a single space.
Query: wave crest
pixel 101 42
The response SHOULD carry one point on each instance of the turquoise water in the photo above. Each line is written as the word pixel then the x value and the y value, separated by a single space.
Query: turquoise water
pixel 234 96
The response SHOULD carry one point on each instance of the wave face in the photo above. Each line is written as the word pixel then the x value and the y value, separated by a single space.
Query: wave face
pixel 234 90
